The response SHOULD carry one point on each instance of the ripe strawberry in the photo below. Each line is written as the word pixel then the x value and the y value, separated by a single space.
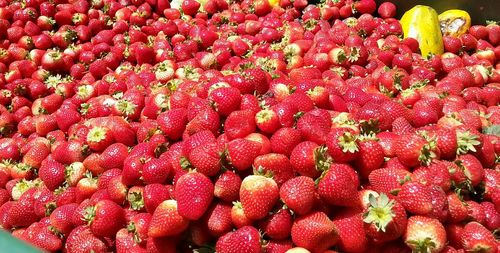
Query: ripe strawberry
pixel 298 194
pixel 244 239
pixel 472 167
pixel 52 174
pixel 278 246
pixel 315 232
pixel 113 156
pixel 105 218
pixel 69 152
pixel 435 174
pixel 242 152
pixel 238 216
pixel 415 197
pixel 388 180
pixel 267 121
pixel 81 239
pixel 339 185
pixel 154 195
pixel 39 236
pixel 60 219
pixel 225 100
pixel 276 164
pixel 285 139
pixel 342 145
pixel 156 171
pixel 413 150
pixel 309 159
pixel 166 221
pixel 218 219
pixel 99 138
pixel 277 225
pixel 239 124
pixel 116 190
pixel 258 195
pixel 370 156
pixel 425 234
pixel 477 238
pixel 352 236
pixel 314 126
pixel 206 158
pixel 194 193
pixel 227 186
pixel 384 218
pixel 492 221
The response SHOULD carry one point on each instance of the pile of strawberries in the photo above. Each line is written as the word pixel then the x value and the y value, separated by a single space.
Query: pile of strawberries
pixel 244 126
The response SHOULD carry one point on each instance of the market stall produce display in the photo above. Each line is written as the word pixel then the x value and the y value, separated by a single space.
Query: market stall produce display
pixel 247 126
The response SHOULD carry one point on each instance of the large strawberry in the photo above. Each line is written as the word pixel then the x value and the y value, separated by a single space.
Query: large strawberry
pixel 242 152
pixel 167 221
pixel 194 193
pixel 352 236
pixel 258 195
pixel 339 185
pixel 477 238
pixel 315 232
pixel 298 194
pixel 370 155
pixel 81 240
pixel 245 239
pixel 105 218
pixel 425 234
pixel 276 164
pixel 415 197
pixel 384 218
pixel 413 150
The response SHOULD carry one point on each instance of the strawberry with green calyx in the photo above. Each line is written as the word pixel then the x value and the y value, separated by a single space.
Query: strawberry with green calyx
pixel 384 218
pixel 310 159
pixel 414 149
pixel 370 155
pixel 466 142
pixel 424 234
pixel 342 145
pixel 105 218
pixel 338 186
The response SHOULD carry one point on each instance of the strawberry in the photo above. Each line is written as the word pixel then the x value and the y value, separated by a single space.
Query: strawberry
pixel 276 246
pixel 492 216
pixel 314 126
pixel 435 174
pixel 81 239
pixel 138 226
pixel 476 238
pixel 388 180
pixel 370 156
pixel 339 185
pixel 277 225
pixel 425 234
pixel 352 237
pixel 194 193
pixel 342 145
pixel 156 171
pixel 227 186
pixel 39 236
pixel 267 121
pixel 475 211
pixel 276 164
pixel 60 219
pixel 457 208
pixel 116 190
pixel 315 232
pixel 298 194
pixel 225 100
pixel 105 218
pixel 285 139
pixel 242 152
pixel 52 174
pixel 413 150
pixel 166 220
pixel 472 167
pixel 218 219
pixel 244 239
pixel 309 159
pixel 113 156
pixel 206 158
pixel 384 218
pixel 99 138
pixel 239 124
pixel 154 195
pixel 238 216
pixel 415 198
pixel 258 195
pixel 198 139
pixel 69 152
pixel 22 212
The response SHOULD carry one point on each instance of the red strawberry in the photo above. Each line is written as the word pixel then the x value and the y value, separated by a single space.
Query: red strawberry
pixel 173 122
pixel 227 186
pixel 338 186
pixel 258 195
pixel 194 193
pixel 279 246
pixel 154 195
pixel 309 159
pixel 385 219
pixel 473 169
pixel 52 174
pixel 388 180
pixel 225 100
pixel 105 218
pixel 245 239
pixel 238 216
pixel 117 191
pixel 315 232
pixel 315 126
pixel 69 152
pixel 425 234
pixel 477 238
pixel 218 219
pixel 60 219
pixel 156 171
pixel 435 174
pixel 239 124
pixel 166 220
pixel 267 121
pixel 415 197
pixel 413 150
pixel 352 237
pixel 285 139
pixel 81 240
pixel 242 152
pixel 278 225
pixel 298 194
pixel 276 164
pixel 39 236
pixel 492 221
pixel 342 145
pixel 99 138
pixel 113 156
pixel 370 156
pixel 206 158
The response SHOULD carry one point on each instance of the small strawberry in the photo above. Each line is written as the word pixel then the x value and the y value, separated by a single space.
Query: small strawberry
pixel 267 121
pixel 457 209
pixel 60 219
pixel 413 150
pixel 99 138
pixel 105 218
pixel 342 145
pixel 298 194
pixel 206 159
pixel 339 186
pixel 258 195
pixel 477 238
pixel 173 122
pixel 415 197
pixel 227 186
pixel 225 100
pixel 315 232
pixel 166 220
pixel 194 193
pixel 218 219
pixel 52 174
pixel 285 139
pixel 156 171
pixel 425 234
pixel 238 216
pixel 388 180
pixel 309 159
pixel 244 239
pixel 277 225
pixel 370 156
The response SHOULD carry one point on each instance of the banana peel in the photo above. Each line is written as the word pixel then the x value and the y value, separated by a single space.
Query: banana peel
pixel 454 22
pixel 422 23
